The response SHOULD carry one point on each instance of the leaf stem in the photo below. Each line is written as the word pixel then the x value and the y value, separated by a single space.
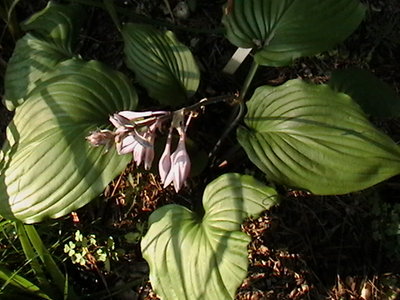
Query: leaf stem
pixel 232 99
pixel 249 79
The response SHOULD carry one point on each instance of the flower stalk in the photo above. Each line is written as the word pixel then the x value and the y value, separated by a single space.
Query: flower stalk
pixel 135 132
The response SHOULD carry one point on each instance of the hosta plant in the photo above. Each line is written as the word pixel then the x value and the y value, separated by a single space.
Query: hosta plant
pixel 75 128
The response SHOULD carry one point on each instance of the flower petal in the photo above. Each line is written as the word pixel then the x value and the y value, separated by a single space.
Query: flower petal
pixel 148 158
pixel 127 145
pixel 164 165
pixel 133 115
pixel 138 154
pixel 149 153
pixel 181 166
pixel 119 121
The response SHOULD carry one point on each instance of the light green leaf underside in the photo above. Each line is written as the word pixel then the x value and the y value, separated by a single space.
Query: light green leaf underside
pixel 164 66
pixel 53 33
pixel 193 258
pixel 282 30
pixel 49 169
pixel 310 137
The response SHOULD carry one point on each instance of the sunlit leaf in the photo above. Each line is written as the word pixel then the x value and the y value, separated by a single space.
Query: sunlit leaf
pixel 52 35
pixel 281 31
pixel 12 278
pixel 194 257
pixel 49 169
pixel 311 137
pixel 164 66
pixel 57 24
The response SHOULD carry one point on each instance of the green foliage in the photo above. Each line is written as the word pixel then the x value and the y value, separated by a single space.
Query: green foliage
pixel 7 14
pixel 136 236
pixel 51 40
pixel 164 66
pixel 193 257
pixel 47 142
pixel 374 96
pixel 86 251
pixel 57 25
pixel 386 226
pixel 308 136
pixel 281 31
pixel 49 276
pixel 299 134
pixel 21 283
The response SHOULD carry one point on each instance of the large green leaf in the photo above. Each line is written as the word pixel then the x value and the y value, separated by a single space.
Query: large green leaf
pixel 57 24
pixel 311 137
pixel 375 97
pixel 48 169
pixel 282 30
pixel 164 66
pixel 53 32
pixel 205 258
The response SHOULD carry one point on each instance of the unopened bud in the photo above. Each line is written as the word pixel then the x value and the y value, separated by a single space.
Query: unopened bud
pixel 100 137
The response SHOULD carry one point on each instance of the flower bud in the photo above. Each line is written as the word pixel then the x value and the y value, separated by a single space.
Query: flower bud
pixel 181 165
pixel 164 165
pixel 100 137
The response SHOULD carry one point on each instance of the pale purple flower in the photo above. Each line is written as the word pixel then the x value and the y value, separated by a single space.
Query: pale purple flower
pixel 149 153
pixel 164 165
pixel 134 115
pixel 135 132
pixel 142 147
pixel 121 123
pixel 126 145
pixel 138 154
pixel 180 164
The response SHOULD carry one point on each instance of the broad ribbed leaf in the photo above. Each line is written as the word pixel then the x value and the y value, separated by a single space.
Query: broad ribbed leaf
pixel 310 137
pixel 53 32
pixel 282 30
pixel 194 258
pixel 164 66
pixel 375 97
pixel 49 169
pixel 57 24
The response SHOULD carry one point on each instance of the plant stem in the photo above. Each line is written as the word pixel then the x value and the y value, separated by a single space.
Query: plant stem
pixel 249 79
pixel 238 113
pixel 214 100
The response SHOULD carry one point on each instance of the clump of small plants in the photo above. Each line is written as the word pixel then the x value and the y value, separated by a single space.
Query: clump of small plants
pixel 86 250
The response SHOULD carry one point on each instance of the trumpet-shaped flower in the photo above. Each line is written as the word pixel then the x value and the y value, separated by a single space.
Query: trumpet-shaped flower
pixel 180 165
pixel 135 132
pixel 164 165
pixel 126 144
